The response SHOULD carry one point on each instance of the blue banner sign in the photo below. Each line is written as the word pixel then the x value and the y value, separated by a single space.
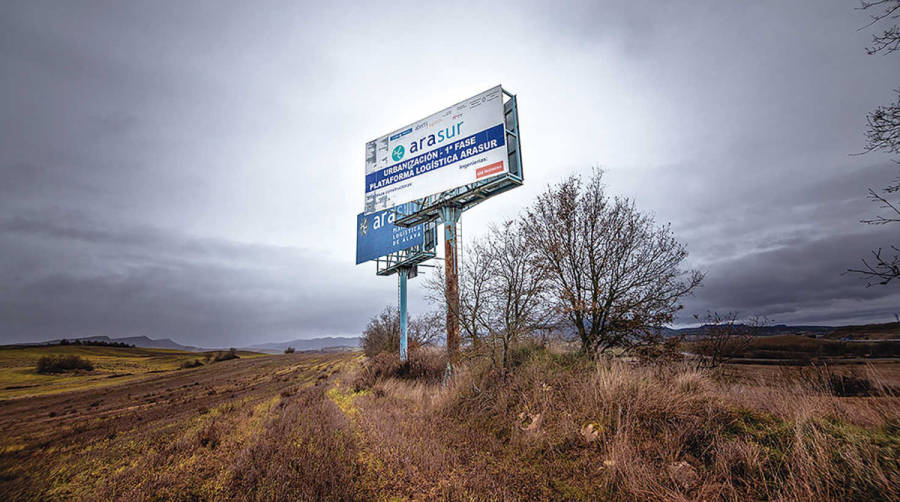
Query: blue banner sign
pixel 377 236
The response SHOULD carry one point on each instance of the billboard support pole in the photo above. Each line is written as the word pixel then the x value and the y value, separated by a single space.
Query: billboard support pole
pixel 449 217
pixel 402 274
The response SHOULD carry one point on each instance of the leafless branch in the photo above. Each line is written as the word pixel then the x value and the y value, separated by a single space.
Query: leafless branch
pixel 888 40
pixel 882 269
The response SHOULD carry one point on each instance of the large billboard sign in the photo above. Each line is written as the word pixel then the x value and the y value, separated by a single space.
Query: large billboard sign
pixel 454 147
pixel 377 236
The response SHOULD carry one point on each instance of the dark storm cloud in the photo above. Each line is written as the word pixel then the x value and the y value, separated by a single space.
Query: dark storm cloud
pixel 784 250
pixel 192 170
pixel 65 277
pixel 797 281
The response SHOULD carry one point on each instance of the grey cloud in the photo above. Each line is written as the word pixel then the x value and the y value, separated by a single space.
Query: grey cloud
pixel 90 280
pixel 193 170
pixel 788 282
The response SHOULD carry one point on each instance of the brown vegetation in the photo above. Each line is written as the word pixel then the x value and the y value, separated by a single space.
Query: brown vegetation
pixel 799 349
pixel 382 334
pixel 225 355
pixel 616 275
pixel 191 364
pixel 556 426
pixel 176 435
pixel 562 427
pixel 60 364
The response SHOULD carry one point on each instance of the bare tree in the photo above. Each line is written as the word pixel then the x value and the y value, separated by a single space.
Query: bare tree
pixel 382 334
pixel 426 328
pixel 474 274
pixel 615 274
pixel 517 303
pixel 502 292
pixel 883 129
pixel 883 133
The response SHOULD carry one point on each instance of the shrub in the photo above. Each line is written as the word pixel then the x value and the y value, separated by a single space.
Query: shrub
pixel 60 364
pixel 289 350
pixel 522 352
pixel 225 356
pixel 427 364
pixel 382 334
pixel 191 364
pixel 383 365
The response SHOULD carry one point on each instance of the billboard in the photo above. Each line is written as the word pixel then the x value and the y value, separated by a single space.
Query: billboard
pixel 376 235
pixel 456 146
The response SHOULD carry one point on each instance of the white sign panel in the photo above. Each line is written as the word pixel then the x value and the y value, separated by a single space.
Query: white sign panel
pixel 454 147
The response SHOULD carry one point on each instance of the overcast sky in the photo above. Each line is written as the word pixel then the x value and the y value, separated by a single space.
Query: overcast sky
pixel 193 170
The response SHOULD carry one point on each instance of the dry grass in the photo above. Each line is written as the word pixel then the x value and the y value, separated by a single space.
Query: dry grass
pixel 557 427
pixel 111 366
pixel 563 428
pixel 62 364
pixel 232 430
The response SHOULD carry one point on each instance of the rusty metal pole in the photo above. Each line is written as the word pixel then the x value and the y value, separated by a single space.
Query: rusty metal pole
pixel 450 217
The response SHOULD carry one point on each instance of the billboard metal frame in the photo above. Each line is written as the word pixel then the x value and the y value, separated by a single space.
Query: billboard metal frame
pixel 403 264
pixel 447 207
pixel 391 263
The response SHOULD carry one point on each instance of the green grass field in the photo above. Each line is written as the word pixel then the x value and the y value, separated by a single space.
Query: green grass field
pixel 112 365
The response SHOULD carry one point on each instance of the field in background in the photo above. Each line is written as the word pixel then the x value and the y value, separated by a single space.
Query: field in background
pixel 320 426
pixel 112 366
pixel 177 435
pixel 797 349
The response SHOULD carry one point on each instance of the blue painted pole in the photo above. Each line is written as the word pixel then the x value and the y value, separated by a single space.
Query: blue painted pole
pixel 403 272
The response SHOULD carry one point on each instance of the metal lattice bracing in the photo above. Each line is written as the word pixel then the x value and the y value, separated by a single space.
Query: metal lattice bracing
pixel 390 264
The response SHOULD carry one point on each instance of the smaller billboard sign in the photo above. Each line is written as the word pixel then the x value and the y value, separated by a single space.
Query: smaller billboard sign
pixel 377 236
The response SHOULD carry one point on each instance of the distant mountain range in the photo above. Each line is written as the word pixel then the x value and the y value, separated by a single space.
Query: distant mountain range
pixel 326 343
pixel 884 331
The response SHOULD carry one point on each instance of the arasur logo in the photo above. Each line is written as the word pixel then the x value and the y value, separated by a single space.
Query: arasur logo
pixel 398 152
pixel 364 227
pixel 434 139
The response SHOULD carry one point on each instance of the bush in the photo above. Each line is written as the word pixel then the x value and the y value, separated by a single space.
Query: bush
pixel 191 364
pixel 225 356
pixel 427 364
pixel 60 364
pixel 383 365
pixel 382 334
pixel 289 350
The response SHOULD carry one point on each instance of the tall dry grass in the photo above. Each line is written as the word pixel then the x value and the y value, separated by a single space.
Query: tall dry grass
pixel 560 427
pixel 305 452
